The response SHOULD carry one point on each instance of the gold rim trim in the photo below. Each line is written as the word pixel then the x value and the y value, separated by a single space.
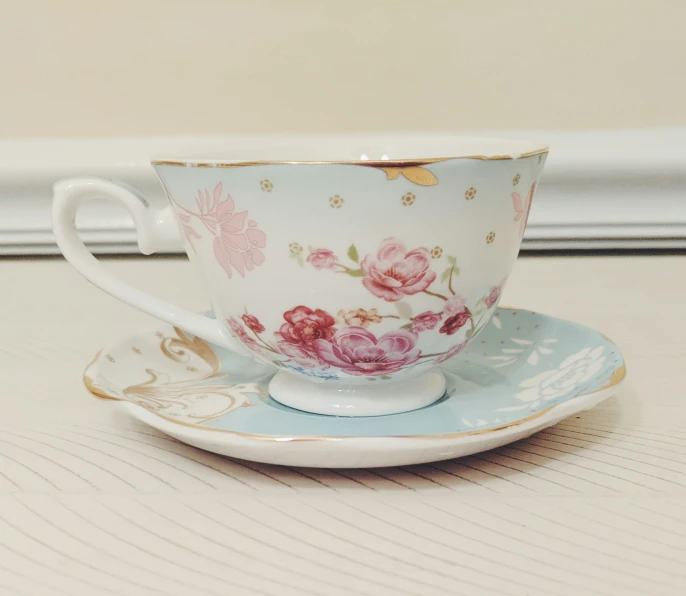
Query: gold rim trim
pixel 395 163
pixel 618 375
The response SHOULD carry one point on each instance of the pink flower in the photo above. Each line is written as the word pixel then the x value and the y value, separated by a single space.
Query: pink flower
pixel 454 305
pixel 396 273
pixel 236 244
pixel 452 324
pixel 254 346
pixel 322 258
pixel 297 353
pixel 425 321
pixel 522 208
pixel 450 353
pixel 238 329
pixel 243 336
pixel 357 351
pixel 252 323
pixel 493 297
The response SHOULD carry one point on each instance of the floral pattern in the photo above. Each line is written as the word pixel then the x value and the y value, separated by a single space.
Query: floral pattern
pixel 573 372
pixel 252 323
pixel 236 239
pixel 359 317
pixel 454 351
pixel 454 323
pixel 322 258
pixel 425 321
pixel 522 208
pixel 313 339
pixel 202 385
pixel 336 201
pixel 408 199
pixel 396 272
pixel 357 351
pixel 493 296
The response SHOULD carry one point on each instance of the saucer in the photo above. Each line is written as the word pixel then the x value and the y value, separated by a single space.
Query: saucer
pixel 526 371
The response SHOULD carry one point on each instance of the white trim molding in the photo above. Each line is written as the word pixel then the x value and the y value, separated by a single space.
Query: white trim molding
pixel 600 189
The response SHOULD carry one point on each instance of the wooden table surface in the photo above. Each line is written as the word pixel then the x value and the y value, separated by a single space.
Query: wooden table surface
pixel 94 503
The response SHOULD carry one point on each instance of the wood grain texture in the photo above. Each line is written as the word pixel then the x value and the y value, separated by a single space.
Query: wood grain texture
pixel 93 502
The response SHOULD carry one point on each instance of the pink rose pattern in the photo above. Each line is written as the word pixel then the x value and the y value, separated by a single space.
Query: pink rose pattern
pixel 313 341
pixel 454 351
pixel 396 272
pixel 493 296
pixel 322 258
pixel 425 321
pixel 522 208
pixel 237 240
pixel 309 337
pixel 357 351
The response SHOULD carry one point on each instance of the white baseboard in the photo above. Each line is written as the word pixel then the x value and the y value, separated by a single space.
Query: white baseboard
pixel 600 189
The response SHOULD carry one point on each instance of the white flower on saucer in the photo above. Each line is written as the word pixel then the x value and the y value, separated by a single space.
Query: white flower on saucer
pixel 550 384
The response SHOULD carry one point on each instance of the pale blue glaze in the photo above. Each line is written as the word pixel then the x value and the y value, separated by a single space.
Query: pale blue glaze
pixel 483 384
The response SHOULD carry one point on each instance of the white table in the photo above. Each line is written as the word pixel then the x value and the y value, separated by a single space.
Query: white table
pixel 94 503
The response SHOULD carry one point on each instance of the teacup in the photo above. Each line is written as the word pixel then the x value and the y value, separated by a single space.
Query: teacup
pixel 355 266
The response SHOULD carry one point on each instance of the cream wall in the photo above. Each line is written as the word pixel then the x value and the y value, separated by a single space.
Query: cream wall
pixel 139 67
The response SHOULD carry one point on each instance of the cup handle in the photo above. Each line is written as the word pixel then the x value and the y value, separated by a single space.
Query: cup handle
pixel 157 230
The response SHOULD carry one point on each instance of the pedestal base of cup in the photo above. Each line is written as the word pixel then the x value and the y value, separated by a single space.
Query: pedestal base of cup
pixel 375 399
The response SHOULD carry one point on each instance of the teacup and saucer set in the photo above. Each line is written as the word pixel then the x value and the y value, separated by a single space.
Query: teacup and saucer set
pixel 355 285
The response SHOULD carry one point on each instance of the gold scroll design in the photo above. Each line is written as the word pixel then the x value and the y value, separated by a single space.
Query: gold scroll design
pixel 193 400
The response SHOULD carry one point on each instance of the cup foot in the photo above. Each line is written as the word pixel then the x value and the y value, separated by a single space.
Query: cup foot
pixel 300 393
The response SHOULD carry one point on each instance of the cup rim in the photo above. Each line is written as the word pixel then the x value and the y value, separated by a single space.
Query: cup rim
pixel 475 147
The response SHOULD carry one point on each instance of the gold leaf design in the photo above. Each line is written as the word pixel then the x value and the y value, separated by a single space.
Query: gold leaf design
pixel 177 348
pixel 391 173
pixel 190 399
pixel 416 174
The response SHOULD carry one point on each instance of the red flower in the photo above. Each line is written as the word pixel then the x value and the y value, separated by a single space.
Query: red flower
pixel 493 297
pixel 395 273
pixel 304 325
pixel 322 258
pixel 452 324
pixel 425 321
pixel 252 323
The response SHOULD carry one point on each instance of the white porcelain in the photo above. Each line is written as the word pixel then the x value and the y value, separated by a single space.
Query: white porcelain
pixel 526 371
pixel 355 266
